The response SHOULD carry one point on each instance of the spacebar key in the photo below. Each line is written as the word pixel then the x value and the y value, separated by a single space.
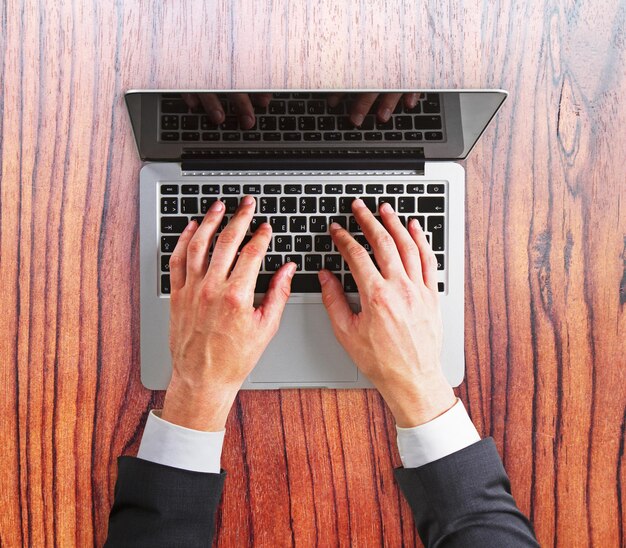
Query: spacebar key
pixel 301 283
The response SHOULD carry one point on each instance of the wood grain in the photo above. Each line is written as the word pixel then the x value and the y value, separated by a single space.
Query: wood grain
pixel 545 264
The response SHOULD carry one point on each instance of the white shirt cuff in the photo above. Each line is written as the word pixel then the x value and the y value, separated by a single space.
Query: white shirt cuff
pixel 438 438
pixel 166 443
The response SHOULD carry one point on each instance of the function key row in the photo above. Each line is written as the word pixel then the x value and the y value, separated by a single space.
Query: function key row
pixel 306 136
pixel 331 188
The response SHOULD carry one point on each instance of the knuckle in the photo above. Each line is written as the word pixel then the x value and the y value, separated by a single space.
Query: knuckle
pixel 378 295
pixel 177 261
pixel 196 246
pixel 234 295
pixel 357 251
pixel 252 249
pixel 383 240
pixel 227 237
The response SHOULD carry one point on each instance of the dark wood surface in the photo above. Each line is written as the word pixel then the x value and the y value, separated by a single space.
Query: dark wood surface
pixel 545 263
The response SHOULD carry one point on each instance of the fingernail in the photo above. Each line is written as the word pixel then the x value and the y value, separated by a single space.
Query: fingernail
pixel 334 226
pixel 385 114
pixel 217 116
pixel 358 119
pixel 247 200
pixel 358 203
pixel 190 225
pixel 385 206
pixel 217 206
pixel 292 269
pixel 247 122
pixel 323 275
pixel 416 224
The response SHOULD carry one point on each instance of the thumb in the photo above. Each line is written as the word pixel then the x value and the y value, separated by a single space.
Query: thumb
pixel 334 300
pixel 277 294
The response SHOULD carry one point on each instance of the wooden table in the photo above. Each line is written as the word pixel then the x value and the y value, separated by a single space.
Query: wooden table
pixel 545 264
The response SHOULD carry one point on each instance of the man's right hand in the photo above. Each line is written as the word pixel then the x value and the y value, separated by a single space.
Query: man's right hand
pixel 396 338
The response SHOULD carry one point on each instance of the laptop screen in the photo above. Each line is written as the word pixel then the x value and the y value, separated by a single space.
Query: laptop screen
pixel 426 124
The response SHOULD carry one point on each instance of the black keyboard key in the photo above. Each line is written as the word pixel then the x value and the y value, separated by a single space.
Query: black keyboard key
pixel 169 122
pixel 211 136
pixel 289 205
pixel 263 283
pixel 296 107
pixel 441 287
pixel 332 136
pixel 345 204
pixel 353 136
pixel 412 136
pixel 315 107
pixel 291 136
pixel 368 123
pixel 318 224
pixel 271 136
pixel 349 285
pixel 268 205
pixel 297 224
pixel 312 136
pixel 206 124
pixel 303 243
pixel 373 136
pixel 173 225
pixel 198 219
pixel 308 204
pixel 278 224
pixel 191 136
pixel 169 205
pixel 440 261
pixel 273 262
pixel 256 222
pixel 332 262
pixel 385 125
pixel 333 188
pixel 353 226
pixel 313 262
pixel 174 106
pixel 431 104
pixel 344 123
pixel 406 204
pixel 403 122
pixel 272 189
pixel 435 189
pixel 354 189
pixel 169 136
pixel 189 206
pixel 370 203
pixel 251 136
pixel 395 189
pixel 306 123
pixel 189 122
pixel 287 123
pixel 312 189
pixel 168 243
pixel 415 189
pixel 191 189
pixel 231 136
pixel 231 204
pixel 225 218
pixel 277 107
pixel 165 263
pixel 374 189
pixel 435 226
pixel 363 241
pixel 165 284
pixel 305 283
pixel 294 259
pixel 391 200
pixel 169 189
pixel 339 108
pixel 210 189
pixel 415 110
pixel 326 123
pixel 252 189
pixel 231 189
pixel 393 136
pixel 341 220
pixel 230 124
pixel 267 123
pixel 282 243
pixel 323 243
pixel 430 204
pixel 427 122
pixel 327 205
pixel 292 189
pixel 433 135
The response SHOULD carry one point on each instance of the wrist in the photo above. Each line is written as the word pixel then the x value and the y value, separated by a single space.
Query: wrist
pixel 197 406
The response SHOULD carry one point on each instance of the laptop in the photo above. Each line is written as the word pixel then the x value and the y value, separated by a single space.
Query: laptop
pixel 304 160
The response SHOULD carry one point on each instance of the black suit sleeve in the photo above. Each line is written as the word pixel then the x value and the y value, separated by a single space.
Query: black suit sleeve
pixel 157 505
pixel 465 499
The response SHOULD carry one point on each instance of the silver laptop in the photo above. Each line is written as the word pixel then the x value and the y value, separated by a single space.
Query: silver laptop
pixel 304 161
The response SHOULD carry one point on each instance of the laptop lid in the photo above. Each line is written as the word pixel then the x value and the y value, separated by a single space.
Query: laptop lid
pixel 444 125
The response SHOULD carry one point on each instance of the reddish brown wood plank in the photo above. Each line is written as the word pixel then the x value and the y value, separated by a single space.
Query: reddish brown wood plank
pixel 545 262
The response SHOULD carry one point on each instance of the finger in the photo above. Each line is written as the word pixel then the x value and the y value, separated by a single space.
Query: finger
pixel 191 99
pixel 213 107
pixel 333 99
pixel 409 252
pixel 385 250
pixel 277 294
pixel 178 260
pixel 198 249
pixel 261 99
pixel 243 109
pixel 230 239
pixel 361 106
pixel 411 99
pixel 427 257
pixel 335 301
pixel 358 259
pixel 250 259
pixel 386 105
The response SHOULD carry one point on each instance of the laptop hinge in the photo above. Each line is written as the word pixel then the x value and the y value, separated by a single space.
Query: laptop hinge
pixel 313 159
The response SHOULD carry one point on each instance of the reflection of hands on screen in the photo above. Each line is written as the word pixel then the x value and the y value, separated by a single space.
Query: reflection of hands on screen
pixel 243 102
pixel 363 103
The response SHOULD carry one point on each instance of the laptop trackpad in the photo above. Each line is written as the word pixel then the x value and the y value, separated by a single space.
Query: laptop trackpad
pixel 304 350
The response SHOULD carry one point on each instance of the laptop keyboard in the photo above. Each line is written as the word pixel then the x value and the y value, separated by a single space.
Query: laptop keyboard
pixel 297 117
pixel 300 214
